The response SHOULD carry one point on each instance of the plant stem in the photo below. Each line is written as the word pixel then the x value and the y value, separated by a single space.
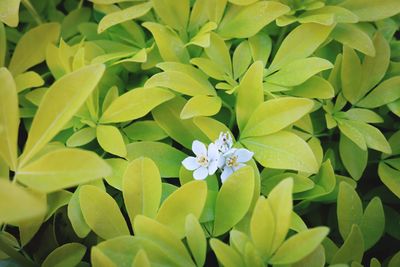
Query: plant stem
pixel 32 11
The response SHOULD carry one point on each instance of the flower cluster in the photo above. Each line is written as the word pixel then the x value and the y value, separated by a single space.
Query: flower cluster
pixel 219 155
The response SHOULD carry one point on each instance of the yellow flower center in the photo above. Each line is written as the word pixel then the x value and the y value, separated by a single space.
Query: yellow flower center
pixel 202 160
pixel 232 161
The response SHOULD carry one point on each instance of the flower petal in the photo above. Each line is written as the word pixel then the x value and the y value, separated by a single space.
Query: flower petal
pixel 213 152
pixel 190 163
pixel 201 173
pixel 226 173
pixel 237 167
pixel 212 166
pixel 244 155
pixel 199 148
pixel 221 161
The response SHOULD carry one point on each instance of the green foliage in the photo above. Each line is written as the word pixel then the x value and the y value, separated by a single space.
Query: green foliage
pixel 101 103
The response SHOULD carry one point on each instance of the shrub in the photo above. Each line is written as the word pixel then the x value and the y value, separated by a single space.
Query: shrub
pixel 192 133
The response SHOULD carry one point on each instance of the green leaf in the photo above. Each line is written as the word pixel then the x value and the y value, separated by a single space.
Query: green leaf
pixel 315 87
pixel 102 213
pixel 282 112
pixel 63 168
pixel 374 68
pixel 280 200
pixel 249 94
pixel 159 239
pixel 173 13
pixel 121 16
pixel 385 93
pixel 187 199
pixel 9 10
pixel 260 46
pixel 354 37
pixel 247 21
pixel 353 157
pixel 201 105
pixel 395 260
pixel 364 115
pixel 67 255
pixel 62 100
pixel 14 206
pixel 9 119
pixel 72 20
pixel 314 259
pixel 209 67
pixel 233 200
pixel 81 137
pixel 110 139
pixel 390 177
pixel 169 44
pixel 372 223
pixel 349 209
pixel 299 71
pixel 168 159
pixel 367 11
pixel 75 216
pixel 141 260
pixel 168 118
pixel 300 43
pixel 352 133
pixel 299 246
pixel 241 59
pixel 181 82
pixel 144 130
pixel 218 52
pixel 141 188
pixel 202 37
pixel 282 150
pixel 227 255
pixel 31 48
pixel 262 227
pixel 211 127
pixel 351 75
pixel 196 239
pixel 135 104
pixel 352 249
pixel 28 80
pixel 327 15
pixel 373 136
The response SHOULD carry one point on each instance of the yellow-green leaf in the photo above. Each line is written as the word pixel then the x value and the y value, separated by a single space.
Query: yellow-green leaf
pixel 110 139
pixel 196 239
pixel 141 188
pixel 20 204
pixel 249 20
pixel 275 115
pixel 174 13
pixel 58 106
pixel 233 200
pixel 201 105
pixel 299 246
pixel 28 80
pixel 31 48
pixel 354 37
pixel 102 213
pixel 135 104
pixel 300 43
pixel 81 137
pixel 249 94
pixel 63 168
pixel 169 44
pixel 282 150
pixel 367 10
pixel 9 12
pixel 67 255
pixel 9 118
pixel 121 16
pixel 187 199
pixel 167 158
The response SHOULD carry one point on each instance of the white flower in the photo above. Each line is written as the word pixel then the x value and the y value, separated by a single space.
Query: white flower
pixel 234 160
pixel 206 161
pixel 224 142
